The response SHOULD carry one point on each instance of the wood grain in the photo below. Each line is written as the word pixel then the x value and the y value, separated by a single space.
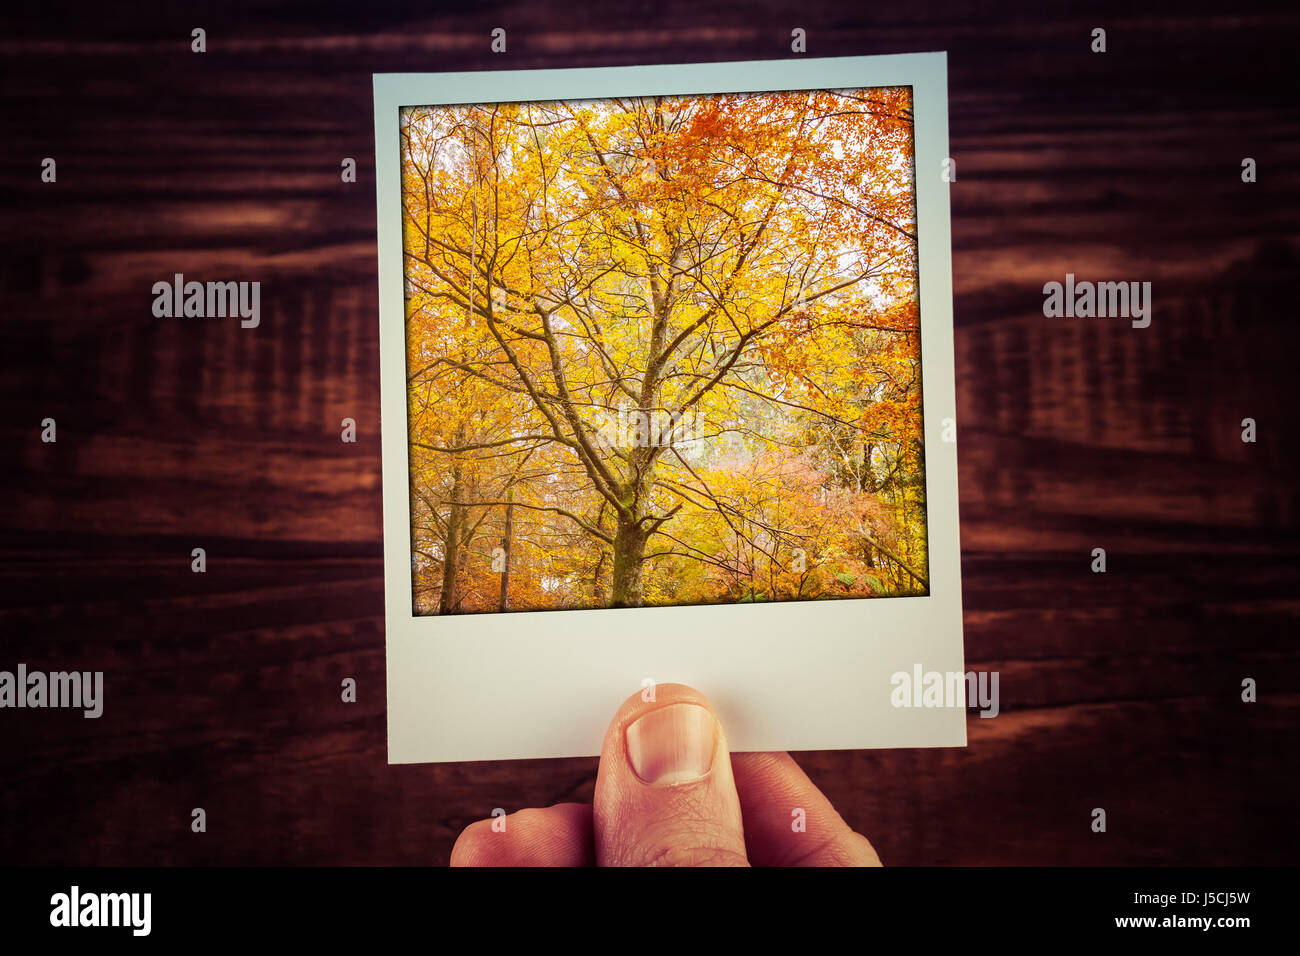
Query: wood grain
pixel 1118 690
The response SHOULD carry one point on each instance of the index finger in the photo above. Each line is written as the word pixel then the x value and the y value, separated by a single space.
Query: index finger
pixel 788 821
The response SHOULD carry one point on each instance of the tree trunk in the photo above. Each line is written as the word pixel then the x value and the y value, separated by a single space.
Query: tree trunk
pixel 630 534
pixel 597 585
pixel 505 549
pixel 449 599
pixel 629 553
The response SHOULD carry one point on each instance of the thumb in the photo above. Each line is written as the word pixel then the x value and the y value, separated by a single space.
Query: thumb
pixel 665 795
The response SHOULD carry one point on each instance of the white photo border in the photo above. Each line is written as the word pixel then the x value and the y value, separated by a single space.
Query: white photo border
pixel 798 675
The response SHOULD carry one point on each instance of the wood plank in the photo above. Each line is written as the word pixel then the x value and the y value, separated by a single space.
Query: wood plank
pixel 1118 690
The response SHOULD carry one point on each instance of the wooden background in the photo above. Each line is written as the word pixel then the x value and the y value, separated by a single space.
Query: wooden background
pixel 1118 691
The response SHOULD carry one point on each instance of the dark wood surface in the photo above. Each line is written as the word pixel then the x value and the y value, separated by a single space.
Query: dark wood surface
pixel 1119 691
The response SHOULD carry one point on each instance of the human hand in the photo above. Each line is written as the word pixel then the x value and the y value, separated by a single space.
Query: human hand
pixel 670 793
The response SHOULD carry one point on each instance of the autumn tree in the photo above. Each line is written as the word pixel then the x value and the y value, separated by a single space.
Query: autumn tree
pixel 665 331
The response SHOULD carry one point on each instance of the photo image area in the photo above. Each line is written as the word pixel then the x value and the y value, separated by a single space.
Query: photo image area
pixel 663 350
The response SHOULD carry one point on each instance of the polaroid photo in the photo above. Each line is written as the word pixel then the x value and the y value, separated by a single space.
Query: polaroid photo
pixel 668 396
